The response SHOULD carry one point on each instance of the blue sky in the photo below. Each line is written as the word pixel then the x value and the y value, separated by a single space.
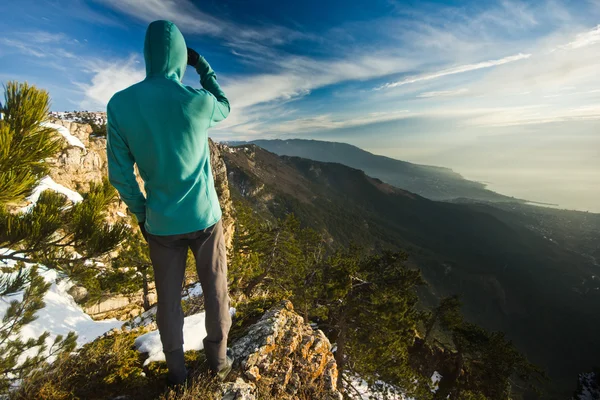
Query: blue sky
pixel 506 92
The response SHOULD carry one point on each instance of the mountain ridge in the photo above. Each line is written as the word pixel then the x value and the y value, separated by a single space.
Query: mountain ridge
pixel 433 182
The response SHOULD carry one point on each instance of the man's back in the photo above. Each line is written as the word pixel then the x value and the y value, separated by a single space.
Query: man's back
pixel 162 126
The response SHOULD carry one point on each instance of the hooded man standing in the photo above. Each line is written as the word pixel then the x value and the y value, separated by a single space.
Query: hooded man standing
pixel 161 125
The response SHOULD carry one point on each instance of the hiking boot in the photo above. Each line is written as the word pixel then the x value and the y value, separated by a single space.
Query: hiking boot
pixel 177 385
pixel 223 372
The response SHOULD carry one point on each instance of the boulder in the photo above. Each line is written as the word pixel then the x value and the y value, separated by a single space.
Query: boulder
pixel 79 293
pixel 238 390
pixel 284 353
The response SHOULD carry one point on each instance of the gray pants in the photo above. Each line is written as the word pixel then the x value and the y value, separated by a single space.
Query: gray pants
pixel 168 254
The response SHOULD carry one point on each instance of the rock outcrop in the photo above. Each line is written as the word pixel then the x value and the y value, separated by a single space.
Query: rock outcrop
pixel 76 167
pixel 285 356
pixel 121 307
pixel 219 171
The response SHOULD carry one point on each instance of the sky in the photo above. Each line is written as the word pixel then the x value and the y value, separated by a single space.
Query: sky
pixel 503 92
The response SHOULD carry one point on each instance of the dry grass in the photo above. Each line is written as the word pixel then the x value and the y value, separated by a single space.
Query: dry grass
pixel 111 367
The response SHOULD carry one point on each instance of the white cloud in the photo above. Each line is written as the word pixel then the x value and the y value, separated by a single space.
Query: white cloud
pixel 297 76
pixel 109 78
pixel 443 93
pixel 584 39
pixel 456 70
pixel 182 12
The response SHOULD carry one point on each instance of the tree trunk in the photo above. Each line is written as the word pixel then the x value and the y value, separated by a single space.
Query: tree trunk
pixel 340 355
pixel 449 381
pixel 254 283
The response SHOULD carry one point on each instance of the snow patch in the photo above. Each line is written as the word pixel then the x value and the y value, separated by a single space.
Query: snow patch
pixel 94 263
pixel 60 316
pixel 360 390
pixel 194 332
pixel 73 140
pixel 435 381
pixel 147 318
pixel 193 291
pixel 48 183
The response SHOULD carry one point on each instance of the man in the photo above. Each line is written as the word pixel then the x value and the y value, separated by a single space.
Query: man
pixel 161 125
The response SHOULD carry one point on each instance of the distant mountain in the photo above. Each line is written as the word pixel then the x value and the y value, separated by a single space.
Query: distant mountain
pixel 435 183
pixel 512 275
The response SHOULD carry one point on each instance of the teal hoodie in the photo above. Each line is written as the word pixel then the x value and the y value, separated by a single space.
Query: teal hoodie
pixel 161 125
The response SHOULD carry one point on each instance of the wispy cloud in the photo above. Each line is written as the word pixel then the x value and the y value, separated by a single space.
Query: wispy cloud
pixel 584 39
pixel 191 19
pixel 109 78
pixel 42 37
pixel 455 70
pixel 39 44
pixel 23 47
pixel 329 122
pixel 525 116
pixel 298 76
pixel 443 93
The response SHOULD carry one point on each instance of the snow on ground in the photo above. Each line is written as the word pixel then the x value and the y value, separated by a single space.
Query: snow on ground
pixel 60 316
pixel 193 334
pixel 360 390
pixel 48 183
pixel 145 319
pixel 435 381
pixel 193 291
pixel 73 140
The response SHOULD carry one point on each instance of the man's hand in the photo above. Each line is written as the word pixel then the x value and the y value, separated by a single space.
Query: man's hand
pixel 193 57
pixel 143 230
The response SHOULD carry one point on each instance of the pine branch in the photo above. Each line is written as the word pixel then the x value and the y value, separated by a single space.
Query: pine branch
pixel 349 384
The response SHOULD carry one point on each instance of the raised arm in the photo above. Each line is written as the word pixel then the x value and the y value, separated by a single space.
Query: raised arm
pixel 120 171
pixel 208 80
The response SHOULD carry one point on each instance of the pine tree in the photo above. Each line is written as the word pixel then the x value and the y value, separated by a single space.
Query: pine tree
pixel 300 279
pixel 447 314
pixel 54 232
pixel 132 268
pixel 486 365
pixel 262 251
pixel 369 304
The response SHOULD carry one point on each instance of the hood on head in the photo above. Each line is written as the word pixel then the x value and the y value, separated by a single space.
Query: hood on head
pixel 165 51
